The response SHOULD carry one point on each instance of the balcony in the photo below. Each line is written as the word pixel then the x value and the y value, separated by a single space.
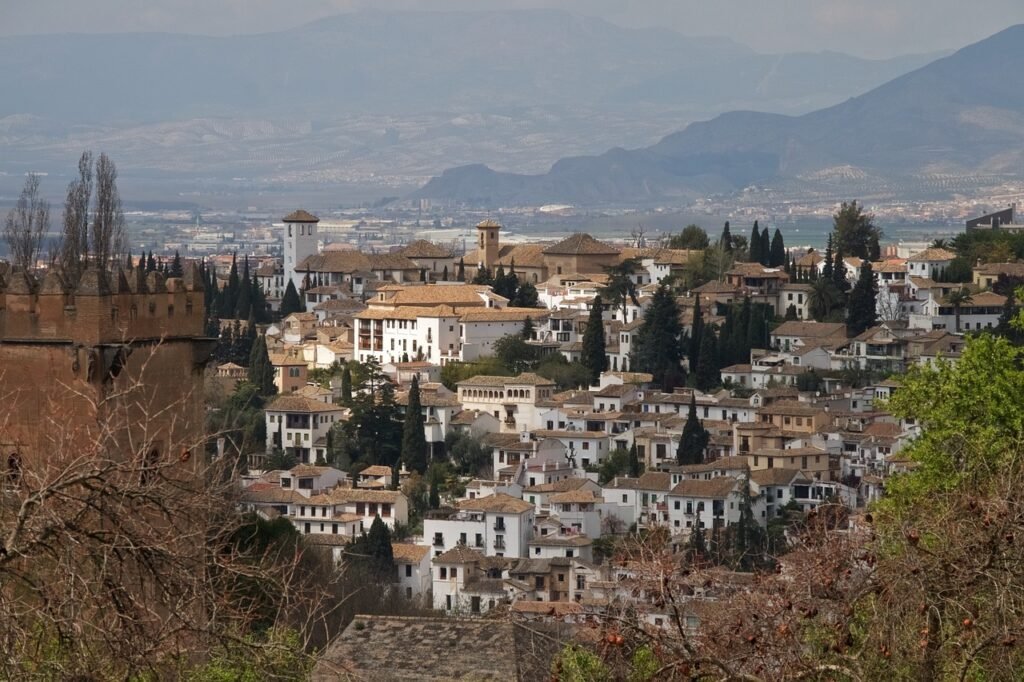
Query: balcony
pixel 438 541
pixel 499 527
pixel 499 543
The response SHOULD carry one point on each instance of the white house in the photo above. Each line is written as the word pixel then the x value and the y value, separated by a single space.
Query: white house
pixel 713 503
pixel 299 425
pixel 412 566
pixel 496 525
pixel 513 400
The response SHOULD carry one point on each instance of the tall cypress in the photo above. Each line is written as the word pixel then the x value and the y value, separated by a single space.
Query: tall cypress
pixel 726 240
pixel 778 251
pixel 461 274
pixel 261 372
pixel 696 333
pixel 258 299
pixel 708 375
pixel 658 349
pixel 766 248
pixel 290 302
pixel 635 467
pixel 243 306
pixel 176 269
pixel 861 310
pixel 755 244
pixel 346 386
pixel 444 274
pixel 839 273
pixel 694 438
pixel 414 442
pixel 826 266
pixel 593 356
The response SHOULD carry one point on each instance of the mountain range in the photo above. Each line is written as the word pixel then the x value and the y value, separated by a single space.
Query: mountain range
pixel 388 97
pixel 958 115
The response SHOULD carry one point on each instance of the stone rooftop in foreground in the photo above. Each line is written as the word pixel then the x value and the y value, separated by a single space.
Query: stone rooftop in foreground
pixel 416 649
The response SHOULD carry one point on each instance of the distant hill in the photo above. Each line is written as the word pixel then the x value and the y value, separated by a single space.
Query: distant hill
pixel 394 62
pixel 959 114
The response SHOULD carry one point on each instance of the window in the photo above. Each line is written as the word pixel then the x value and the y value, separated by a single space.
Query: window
pixel 570 553
pixel 624 497
pixel 408 570
pixel 444 573
pixel 455 573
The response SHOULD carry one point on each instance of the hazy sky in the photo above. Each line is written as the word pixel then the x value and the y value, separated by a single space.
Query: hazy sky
pixel 872 28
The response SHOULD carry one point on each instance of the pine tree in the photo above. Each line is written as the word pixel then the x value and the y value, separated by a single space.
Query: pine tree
pixel 593 355
pixel 861 309
pixel 708 375
pixel 346 386
pixel 766 248
pixel 726 239
pixel 755 244
pixel 461 274
pixel 176 269
pixel 290 302
pixel 261 372
pixel 414 442
pixel 635 467
pixel 778 255
pixel 694 438
pixel 696 334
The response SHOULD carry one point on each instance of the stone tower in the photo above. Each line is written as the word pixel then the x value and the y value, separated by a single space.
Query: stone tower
pixel 299 243
pixel 488 243
pixel 118 359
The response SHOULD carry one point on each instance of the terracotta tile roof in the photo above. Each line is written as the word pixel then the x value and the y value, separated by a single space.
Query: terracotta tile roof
pixel 345 262
pixel 272 496
pixel 301 216
pixel 504 315
pixel 561 540
pixel 814 330
pixel 499 502
pixel 717 487
pixel 654 480
pixel 933 254
pixel 777 477
pixel 376 470
pixel 524 379
pixel 1010 269
pixel 792 408
pixel 459 554
pixel 575 497
pixel 298 403
pixel 422 248
pixel 349 495
pixel 757 270
pixel 489 222
pixel 546 608
pixel 579 244
pixel 564 485
pixel 408 553
pixel 810 258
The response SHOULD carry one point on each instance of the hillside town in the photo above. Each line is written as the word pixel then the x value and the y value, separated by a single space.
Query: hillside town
pixel 516 476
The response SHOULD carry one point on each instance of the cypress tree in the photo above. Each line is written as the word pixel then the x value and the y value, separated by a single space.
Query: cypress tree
pixel 755 244
pixel 176 269
pixel 151 263
pixel 261 372
pixel 593 355
pixel 826 271
pixel 378 546
pixel 766 248
pixel 861 310
pixel 658 349
pixel 461 274
pixel 726 240
pixel 696 334
pixel 414 442
pixel 433 496
pixel 839 273
pixel 244 304
pixel 528 329
pixel 708 375
pixel 444 274
pixel 290 302
pixel 778 251
pixel 346 386
pixel 697 545
pixel 396 476
pixel 258 300
pixel 756 336
pixel 635 467
pixel 693 439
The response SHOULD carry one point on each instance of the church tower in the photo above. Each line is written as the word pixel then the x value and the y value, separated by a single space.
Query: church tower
pixel 488 243
pixel 299 243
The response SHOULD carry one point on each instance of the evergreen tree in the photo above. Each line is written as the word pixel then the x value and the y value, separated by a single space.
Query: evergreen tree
pixel 150 263
pixel 229 304
pixel 696 334
pixel 839 280
pixel 826 272
pixel 757 330
pixel 176 270
pixel 444 274
pixel 755 244
pixel 657 349
pixel 258 299
pixel 414 442
pixel 791 315
pixel 766 247
pixel 461 274
pixel 528 329
pixel 861 309
pixel 381 558
pixel 346 386
pixel 708 375
pixel 290 302
pixel 593 355
pixel 243 306
pixel 526 296
pixel 694 438
pixel 778 255
pixel 483 276
pixel 635 466
pixel 697 545
pixel 396 476
pixel 261 372
pixel 855 232
pixel 748 536
pixel 726 239
pixel 434 495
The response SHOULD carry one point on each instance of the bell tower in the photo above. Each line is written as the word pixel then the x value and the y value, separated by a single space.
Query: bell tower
pixel 488 243
pixel 300 241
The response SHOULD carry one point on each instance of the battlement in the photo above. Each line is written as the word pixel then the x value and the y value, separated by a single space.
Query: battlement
pixel 105 307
